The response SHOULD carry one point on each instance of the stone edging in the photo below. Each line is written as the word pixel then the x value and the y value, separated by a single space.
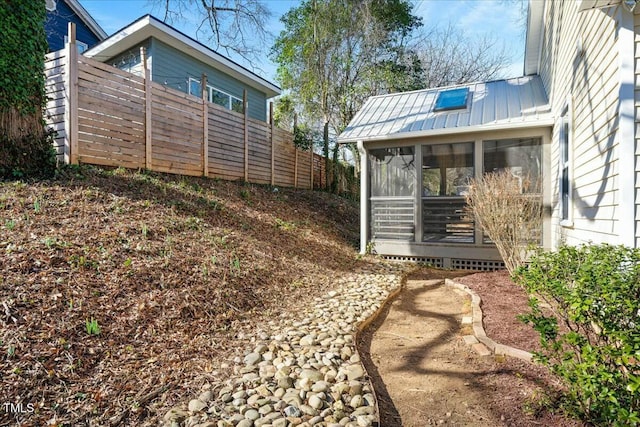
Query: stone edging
pixel 478 328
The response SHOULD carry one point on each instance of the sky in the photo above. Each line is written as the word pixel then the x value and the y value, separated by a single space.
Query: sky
pixel 499 19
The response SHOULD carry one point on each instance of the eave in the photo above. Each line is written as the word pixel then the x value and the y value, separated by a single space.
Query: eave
pixel 148 26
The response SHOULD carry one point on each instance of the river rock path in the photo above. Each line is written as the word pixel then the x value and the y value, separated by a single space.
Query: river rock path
pixel 302 368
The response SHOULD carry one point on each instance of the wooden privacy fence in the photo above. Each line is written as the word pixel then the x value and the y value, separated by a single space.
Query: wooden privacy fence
pixel 106 116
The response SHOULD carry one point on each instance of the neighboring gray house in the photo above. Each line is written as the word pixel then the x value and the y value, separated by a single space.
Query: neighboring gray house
pixel 178 61
pixel 572 121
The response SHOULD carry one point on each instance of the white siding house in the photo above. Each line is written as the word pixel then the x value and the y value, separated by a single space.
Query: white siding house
pixel 574 118
pixel 585 57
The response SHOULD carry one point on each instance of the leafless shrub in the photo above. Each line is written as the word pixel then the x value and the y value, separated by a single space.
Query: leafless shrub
pixel 509 210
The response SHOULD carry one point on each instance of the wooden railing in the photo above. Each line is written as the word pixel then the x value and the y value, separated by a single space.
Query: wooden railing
pixel 445 219
pixel 392 218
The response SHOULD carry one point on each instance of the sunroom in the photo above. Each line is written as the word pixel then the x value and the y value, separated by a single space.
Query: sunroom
pixel 419 152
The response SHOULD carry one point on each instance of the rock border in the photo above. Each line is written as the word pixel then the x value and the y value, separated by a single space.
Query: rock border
pixel 478 328
pixel 305 369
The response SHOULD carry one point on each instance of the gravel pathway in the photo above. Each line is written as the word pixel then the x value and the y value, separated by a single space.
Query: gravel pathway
pixel 305 370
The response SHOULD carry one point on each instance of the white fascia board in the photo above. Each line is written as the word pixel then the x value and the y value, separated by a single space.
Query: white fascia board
pixel 149 26
pixel 87 18
pixel 534 36
pixel 545 121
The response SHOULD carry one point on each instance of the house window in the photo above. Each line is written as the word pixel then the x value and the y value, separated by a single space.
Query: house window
pixel 452 99
pixel 195 88
pixel 447 170
pixel 216 96
pixel 564 177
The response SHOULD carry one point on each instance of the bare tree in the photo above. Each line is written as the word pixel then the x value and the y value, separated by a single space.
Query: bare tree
pixel 450 57
pixel 234 26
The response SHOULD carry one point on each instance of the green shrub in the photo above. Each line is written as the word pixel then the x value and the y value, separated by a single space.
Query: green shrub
pixel 31 156
pixel 585 304
pixel 25 145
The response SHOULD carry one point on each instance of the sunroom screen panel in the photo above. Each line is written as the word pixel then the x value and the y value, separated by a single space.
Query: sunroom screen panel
pixel 393 179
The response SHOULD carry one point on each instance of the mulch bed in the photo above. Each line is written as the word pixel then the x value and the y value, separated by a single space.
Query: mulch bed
pixel 502 302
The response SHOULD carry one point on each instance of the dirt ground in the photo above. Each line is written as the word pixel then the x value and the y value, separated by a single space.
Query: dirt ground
pixel 424 374
pixel 174 272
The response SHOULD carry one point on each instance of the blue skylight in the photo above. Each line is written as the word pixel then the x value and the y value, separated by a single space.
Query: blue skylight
pixel 452 99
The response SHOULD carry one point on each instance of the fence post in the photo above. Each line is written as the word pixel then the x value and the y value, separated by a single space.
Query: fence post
pixel 148 129
pixel 71 104
pixel 205 126
pixel 295 168
pixel 295 164
pixel 273 151
pixel 312 166
pixel 246 135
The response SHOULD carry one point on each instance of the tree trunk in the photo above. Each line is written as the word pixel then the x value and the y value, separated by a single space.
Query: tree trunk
pixel 335 171
pixel 327 163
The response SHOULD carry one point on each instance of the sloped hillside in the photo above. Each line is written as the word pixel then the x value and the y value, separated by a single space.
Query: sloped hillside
pixel 121 292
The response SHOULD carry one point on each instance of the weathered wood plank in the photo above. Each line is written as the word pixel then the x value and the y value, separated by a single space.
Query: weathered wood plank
pixel 179 156
pixel 123 93
pixel 171 95
pixel 107 143
pixel 174 167
pixel 226 148
pixel 133 89
pixel 96 148
pixel 232 162
pixel 123 134
pixel 219 163
pixel 54 55
pixel 92 63
pixel 123 119
pixel 108 105
pixel 71 86
pixel 221 171
pixel 108 162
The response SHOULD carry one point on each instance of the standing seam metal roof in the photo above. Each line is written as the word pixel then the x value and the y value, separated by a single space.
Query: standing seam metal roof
pixel 498 104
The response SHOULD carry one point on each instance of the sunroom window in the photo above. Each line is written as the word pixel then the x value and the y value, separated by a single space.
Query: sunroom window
pixel 393 178
pixel 522 158
pixel 447 170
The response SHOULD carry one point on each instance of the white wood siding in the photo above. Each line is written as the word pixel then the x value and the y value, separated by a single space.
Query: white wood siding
pixel 579 66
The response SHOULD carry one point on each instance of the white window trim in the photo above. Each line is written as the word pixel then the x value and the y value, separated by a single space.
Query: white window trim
pixel 566 116
pixel 82 46
pixel 210 90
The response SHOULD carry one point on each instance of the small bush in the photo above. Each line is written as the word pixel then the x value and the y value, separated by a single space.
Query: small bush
pixel 585 304
pixel 509 210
